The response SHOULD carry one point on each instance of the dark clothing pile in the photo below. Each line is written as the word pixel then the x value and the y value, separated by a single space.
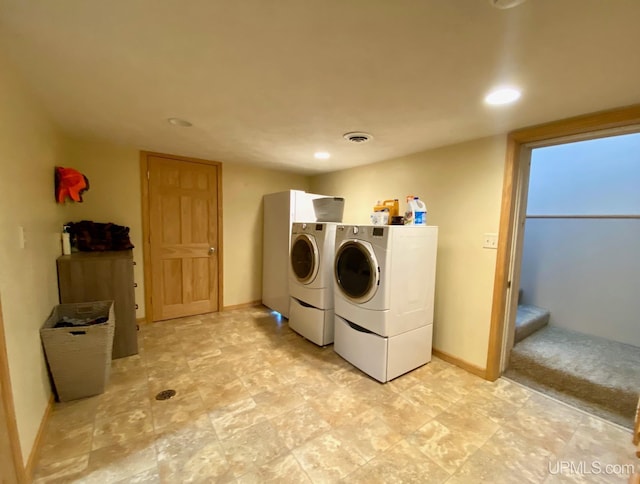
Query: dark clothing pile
pixel 90 236
pixel 66 322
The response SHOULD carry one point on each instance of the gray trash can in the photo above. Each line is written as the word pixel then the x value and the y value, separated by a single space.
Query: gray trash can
pixel 79 357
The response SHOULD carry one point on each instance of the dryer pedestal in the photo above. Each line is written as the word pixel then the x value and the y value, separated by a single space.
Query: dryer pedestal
pixel 383 358
pixel 314 324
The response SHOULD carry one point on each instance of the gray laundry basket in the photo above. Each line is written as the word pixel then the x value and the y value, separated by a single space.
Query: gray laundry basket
pixel 79 357
pixel 328 209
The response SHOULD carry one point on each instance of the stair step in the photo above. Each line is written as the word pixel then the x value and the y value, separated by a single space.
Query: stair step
pixel 592 373
pixel 529 320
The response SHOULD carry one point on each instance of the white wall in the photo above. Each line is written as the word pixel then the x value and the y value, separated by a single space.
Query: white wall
pixel 462 187
pixel 29 151
pixel 586 271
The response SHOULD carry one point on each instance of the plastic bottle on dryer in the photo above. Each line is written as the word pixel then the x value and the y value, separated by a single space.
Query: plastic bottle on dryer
pixel 420 212
pixel 417 211
pixel 408 214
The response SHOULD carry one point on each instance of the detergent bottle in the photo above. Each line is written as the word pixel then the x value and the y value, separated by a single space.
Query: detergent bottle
pixel 417 211
pixel 383 212
pixel 391 206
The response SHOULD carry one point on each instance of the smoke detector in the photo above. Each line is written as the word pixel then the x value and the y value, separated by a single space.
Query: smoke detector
pixel 505 4
pixel 356 137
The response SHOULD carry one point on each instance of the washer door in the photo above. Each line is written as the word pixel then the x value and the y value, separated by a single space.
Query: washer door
pixel 356 270
pixel 304 258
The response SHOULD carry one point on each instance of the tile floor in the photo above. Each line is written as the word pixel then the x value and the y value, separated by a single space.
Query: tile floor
pixel 256 402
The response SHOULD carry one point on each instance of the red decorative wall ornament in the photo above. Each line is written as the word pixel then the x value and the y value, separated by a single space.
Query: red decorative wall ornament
pixel 70 183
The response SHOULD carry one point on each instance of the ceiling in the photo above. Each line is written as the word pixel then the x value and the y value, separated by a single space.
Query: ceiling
pixel 270 82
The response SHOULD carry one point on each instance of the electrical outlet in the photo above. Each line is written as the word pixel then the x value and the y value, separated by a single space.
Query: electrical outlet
pixel 490 241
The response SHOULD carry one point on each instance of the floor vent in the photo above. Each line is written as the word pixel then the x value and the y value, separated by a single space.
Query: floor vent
pixel 165 394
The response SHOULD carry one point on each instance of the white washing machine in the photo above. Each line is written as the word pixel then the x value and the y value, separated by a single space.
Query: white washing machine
pixel 384 293
pixel 311 281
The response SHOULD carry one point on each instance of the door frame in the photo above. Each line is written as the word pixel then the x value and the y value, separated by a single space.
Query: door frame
pixel 146 232
pixel 9 408
pixel 588 126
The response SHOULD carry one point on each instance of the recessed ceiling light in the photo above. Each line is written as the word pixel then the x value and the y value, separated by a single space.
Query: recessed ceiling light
pixel 183 123
pixel 502 95
pixel 322 155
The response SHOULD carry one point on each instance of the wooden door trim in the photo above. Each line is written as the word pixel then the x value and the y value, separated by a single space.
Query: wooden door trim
pixel 146 244
pixel 588 126
pixel 7 401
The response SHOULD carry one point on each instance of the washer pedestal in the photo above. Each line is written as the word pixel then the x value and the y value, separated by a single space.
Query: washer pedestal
pixel 314 324
pixel 382 358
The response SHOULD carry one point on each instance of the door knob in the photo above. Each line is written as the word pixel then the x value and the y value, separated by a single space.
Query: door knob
pixel 211 250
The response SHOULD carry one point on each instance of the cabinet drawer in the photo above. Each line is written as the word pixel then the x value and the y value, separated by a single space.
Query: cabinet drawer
pixel 380 357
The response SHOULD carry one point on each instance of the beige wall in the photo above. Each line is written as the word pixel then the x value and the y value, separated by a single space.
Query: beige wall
pixel 461 186
pixel 243 188
pixel 29 150
pixel 114 194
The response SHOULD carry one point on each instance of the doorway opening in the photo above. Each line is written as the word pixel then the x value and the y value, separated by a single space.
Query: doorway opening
pixel 575 335
pixel 521 144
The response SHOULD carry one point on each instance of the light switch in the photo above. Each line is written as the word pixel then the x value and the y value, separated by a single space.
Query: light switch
pixel 490 241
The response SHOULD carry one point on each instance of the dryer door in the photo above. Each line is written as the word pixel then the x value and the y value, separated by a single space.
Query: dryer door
pixel 356 270
pixel 304 258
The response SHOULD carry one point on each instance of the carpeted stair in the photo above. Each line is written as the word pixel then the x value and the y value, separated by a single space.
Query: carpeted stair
pixel 597 375
pixel 529 320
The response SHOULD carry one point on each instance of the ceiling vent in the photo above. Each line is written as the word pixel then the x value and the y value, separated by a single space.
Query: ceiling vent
pixel 356 137
pixel 504 4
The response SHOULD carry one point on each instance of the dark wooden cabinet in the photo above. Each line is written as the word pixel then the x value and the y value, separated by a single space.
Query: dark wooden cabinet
pixel 101 276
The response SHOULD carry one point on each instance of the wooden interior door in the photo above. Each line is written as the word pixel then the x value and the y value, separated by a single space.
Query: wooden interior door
pixel 183 237
pixel 11 470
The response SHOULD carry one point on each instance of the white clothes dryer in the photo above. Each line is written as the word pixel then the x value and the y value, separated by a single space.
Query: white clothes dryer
pixel 311 281
pixel 385 276
pixel 384 293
